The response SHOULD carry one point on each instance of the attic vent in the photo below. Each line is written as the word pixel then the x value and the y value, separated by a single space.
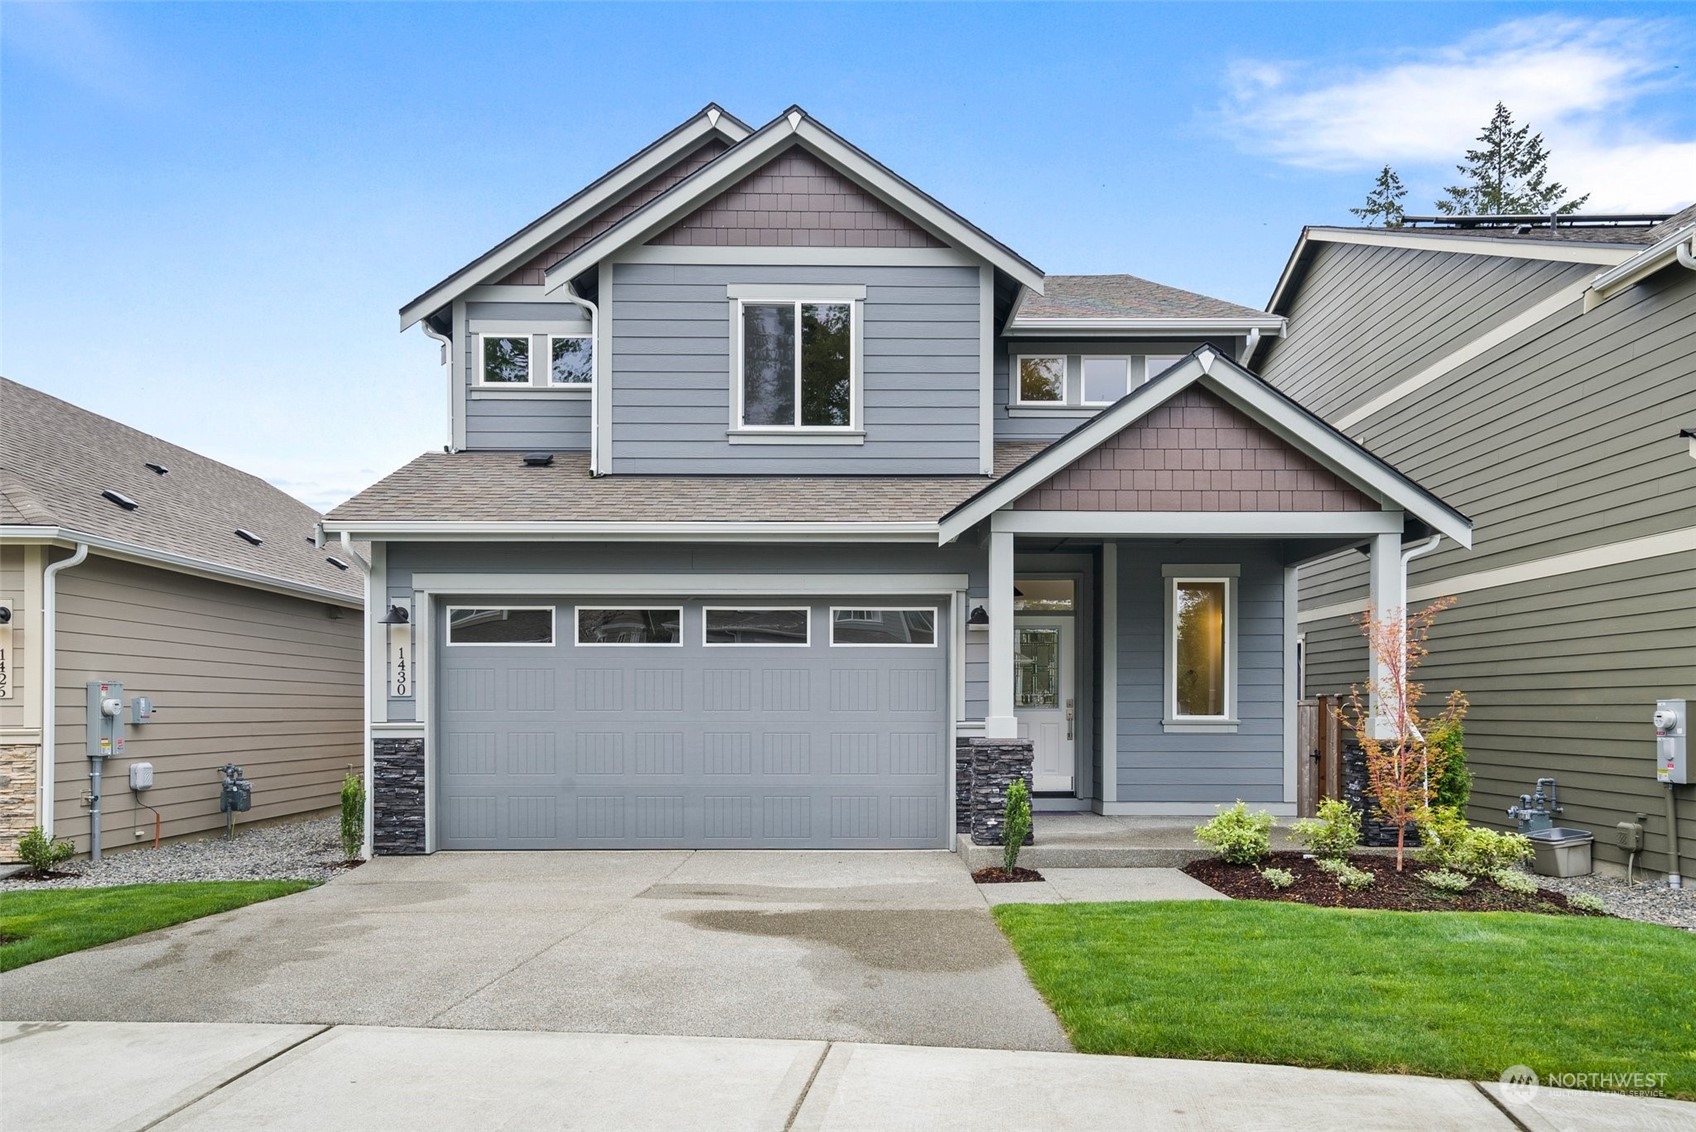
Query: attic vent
pixel 157 469
pixel 538 459
pixel 120 499
pixel 336 562
pixel 248 536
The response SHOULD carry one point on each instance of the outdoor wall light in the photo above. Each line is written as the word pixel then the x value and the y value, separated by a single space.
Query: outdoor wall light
pixel 978 616
pixel 397 615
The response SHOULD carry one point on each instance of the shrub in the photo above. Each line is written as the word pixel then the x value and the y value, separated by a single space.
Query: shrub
pixel 1514 881
pixel 1491 851
pixel 353 815
pixel 1585 902
pixel 1446 880
pixel 1450 843
pixel 1277 878
pixel 1015 823
pixel 1347 875
pixel 43 853
pixel 1442 837
pixel 1334 833
pixel 1454 786
pixel 1241 838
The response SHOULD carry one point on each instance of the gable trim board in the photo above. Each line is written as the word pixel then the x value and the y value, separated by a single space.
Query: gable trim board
pixel 785 257
pixel 1639 267
pixel 711 121
pixel 791 128
pixel 1238 387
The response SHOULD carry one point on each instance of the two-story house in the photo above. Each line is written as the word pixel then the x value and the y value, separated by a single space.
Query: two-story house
pixel 774 482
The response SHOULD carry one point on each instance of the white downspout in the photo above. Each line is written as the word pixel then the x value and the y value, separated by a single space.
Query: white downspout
pixel 368 755
pixel 453 386
pixel 1687 255
pixel 594 376
pixel 1418 550
pixel 50 681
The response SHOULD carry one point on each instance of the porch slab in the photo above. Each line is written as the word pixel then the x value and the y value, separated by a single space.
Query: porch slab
pixel 1085 840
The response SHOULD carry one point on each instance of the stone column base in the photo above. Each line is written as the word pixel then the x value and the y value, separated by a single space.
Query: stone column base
pixel 397 797
pixel 17 797
pixel 983 770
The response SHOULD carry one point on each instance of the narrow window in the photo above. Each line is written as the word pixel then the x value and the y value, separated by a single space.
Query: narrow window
pixel 911 628
pixel 1042 379
pixel 490 626
pixel 572 359
pixel 506 359
pixel 629 626
pixel 1199 637
pixel 755 626
pixel 1106 380
pixel 768 364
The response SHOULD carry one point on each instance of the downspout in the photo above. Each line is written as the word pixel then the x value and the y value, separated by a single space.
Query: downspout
pixel 1687 255
pixel 368 751
pixel 1250 344
pixel 50 680
pixel 453 389
pixel 594 376
pixel 1418 550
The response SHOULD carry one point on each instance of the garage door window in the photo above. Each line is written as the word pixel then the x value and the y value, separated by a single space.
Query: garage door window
pixel 508 626
pixel 783 627
pixel 883 628
pixel 629 626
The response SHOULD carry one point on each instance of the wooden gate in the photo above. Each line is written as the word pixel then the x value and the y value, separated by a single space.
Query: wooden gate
pixel 1319 767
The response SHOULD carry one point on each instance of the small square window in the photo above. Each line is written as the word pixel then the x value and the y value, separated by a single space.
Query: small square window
pixel 1160 363
pixel 571 359
pixel 506 359
pixel 1106 380
pixel 1042 379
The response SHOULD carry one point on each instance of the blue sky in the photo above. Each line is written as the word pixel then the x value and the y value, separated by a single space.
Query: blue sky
pixel 211 213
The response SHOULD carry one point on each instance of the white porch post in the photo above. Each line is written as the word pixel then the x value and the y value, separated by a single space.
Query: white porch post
pixel 1000 723
pixel 1389 599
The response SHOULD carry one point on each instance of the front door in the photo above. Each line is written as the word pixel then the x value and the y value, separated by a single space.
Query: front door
pixel 1044 701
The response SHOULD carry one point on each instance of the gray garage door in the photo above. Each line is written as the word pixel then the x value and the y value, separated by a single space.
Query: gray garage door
pixel 622 723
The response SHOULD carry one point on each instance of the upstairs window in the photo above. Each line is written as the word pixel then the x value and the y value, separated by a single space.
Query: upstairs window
pixel 506 359
pixel 797 365
pixel 571 359
pixel 1106 380
pixel 1042 379
pixel 537 361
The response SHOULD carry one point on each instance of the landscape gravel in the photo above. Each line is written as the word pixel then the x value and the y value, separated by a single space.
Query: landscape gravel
pixel 302 850
pixel 1650 901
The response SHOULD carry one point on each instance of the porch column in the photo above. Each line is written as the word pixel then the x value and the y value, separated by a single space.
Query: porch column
pixel 1389 600
pixel 1000 723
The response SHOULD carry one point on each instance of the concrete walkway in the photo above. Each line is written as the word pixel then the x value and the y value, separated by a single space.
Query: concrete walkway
pixel 126 1077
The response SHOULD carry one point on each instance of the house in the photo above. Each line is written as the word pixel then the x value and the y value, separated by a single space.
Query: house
pixel 198 589
pixel 1538 377
pixel 778 492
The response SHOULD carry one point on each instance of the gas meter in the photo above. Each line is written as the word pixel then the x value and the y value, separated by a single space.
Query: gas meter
pixel 1672 754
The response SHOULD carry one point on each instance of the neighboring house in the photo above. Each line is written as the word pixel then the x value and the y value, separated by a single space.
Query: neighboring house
pixel 774 482
pixel 198 587
pixel 1539 379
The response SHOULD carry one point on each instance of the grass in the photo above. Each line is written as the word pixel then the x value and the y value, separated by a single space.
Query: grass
pixel 1444 994
pixel 41 923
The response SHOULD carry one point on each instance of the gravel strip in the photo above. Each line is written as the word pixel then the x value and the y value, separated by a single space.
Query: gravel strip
pixel 1650 901
pixel 304 850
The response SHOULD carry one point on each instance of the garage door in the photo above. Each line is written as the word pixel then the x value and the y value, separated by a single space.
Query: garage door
pixel 621 724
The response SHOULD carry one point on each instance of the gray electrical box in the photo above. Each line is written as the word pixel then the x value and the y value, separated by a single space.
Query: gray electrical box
pixel 1672 742
pixel 141 710
pixel 141 776
pixel 105 719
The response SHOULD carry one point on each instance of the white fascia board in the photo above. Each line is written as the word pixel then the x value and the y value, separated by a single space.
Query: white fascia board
pixel 736 584
pixel 1638 267
pixel 598 531
pixel 1271 325
pixel 1198 524
pixel 178 563
pixel 1434 240
pixel 539 233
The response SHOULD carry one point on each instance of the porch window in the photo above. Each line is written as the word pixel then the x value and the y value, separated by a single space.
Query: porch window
pixel 1042 379
pixel 1199 647
pixel 797 365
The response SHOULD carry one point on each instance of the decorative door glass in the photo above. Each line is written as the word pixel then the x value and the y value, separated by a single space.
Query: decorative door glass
pixel 1036 669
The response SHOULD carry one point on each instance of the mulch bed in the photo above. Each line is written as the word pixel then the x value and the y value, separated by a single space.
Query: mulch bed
pixel 1400 892
pixel 38 874
pixel 997 875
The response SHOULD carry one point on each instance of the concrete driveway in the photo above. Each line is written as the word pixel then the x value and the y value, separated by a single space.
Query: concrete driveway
pixel 863 947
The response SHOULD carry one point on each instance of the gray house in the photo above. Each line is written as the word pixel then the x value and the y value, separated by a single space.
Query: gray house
pixel 1539 377
pixel 775 484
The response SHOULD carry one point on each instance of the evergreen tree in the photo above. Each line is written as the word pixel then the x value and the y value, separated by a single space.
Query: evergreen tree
pixel 1383 201
pixel 1507 175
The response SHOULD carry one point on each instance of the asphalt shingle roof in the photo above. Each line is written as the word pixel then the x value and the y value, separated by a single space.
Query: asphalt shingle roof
pixel 56 459
pixel 1123 296
pixel 496 487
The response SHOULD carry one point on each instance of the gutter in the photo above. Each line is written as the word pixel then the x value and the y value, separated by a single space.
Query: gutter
pixel 1183 327
pixel 1680 246
pixel 697 531
pixel 50 682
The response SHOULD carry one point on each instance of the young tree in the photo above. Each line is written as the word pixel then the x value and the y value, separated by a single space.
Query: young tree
pixel 1383 201
pixel 1508 175
pixel 1401 768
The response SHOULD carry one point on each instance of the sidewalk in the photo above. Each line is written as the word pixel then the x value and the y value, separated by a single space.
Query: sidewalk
pixel 193 1076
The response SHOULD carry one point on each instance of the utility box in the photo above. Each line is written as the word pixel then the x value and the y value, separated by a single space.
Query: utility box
pixel 1562 851
pixel 1672 742
pixel 141 776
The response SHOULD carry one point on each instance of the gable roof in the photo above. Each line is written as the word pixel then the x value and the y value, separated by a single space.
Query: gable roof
pixel 710 122
pixel 1127 302
pixel 56 459
pixel 794 127
pixel 1238 387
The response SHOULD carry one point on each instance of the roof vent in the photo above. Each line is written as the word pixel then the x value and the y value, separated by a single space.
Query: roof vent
pixel 336 562
pixel 538 459
pixel 156 469
pixel 120 499
pixel 1522 230
pixel 248 536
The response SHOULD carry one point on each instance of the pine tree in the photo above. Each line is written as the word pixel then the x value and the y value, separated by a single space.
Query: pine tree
pixel 1384 200
pixel 1508 176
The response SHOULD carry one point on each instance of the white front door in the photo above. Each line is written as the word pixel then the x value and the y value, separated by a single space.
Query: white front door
pixel 1043 699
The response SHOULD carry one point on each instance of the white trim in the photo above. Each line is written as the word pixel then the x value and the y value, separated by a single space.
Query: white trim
pixel 47 762
pixel 1136 373
pixel 935 637
pixel 548 363
pixel 575 324
pixel 553 628
pixel 1198 810
pixel 986 370
pixel 1186 524
pixel 1292 689
pixel 1053 409
pixel 807 619
pixel 577 640
pixel 796 292
pixel 1108 786
pixel 374 707
pixel 1433 239
pixel 1270 324
pixel 459 379
pixel 1639 267
pixel 35 656
pixel 793 256
pixel 804 435
pixel 699 585
pixel 854 430
pixel 600 409
pixel 600 531
pixel 1573 562
pixel 423 681
pixel 582 391
pixel 999 719
pixel 481 351
pixel 1016 382
pixel 1485 342
pixel 1225 574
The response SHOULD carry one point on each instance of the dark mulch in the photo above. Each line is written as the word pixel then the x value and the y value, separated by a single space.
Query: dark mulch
pixel 998 875
pixel 1399 892
pixel 40 874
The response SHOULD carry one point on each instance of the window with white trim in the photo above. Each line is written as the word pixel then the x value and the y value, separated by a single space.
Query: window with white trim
pixel 797 364
pixel 503 359
pixel 538 361
pixel 506 625
pixel 783 628
pixel 883 628
pixel 1041 379
pixel 629 625
pixel 1200 677
pixel 571 359
pixel 1106 379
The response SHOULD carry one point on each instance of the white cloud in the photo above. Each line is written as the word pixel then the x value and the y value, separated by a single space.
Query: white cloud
pixel 1582 84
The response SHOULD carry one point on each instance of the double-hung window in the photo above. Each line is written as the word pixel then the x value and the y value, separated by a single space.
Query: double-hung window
pixel 535 361
pixel 1201 634
pixel 797 368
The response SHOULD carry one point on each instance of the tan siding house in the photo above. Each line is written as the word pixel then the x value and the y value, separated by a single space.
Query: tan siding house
pixel 251 653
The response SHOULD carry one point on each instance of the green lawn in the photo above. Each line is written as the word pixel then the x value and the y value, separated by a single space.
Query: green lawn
pixel 1446 994
pixel 39 924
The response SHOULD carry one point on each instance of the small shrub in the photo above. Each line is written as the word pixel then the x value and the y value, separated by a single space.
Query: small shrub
pixel 1016 823
pixel 1450 843
pixel 1347 876
pixel 1442 837
pixel 1334 833
pixel 42 853
pixel 1585 902
pixel 1278 878
pixel 1239 837
pixel 353 815
pixel 1514 881
pixel 1446 880
pixel 1454 786
pixel 1491 851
